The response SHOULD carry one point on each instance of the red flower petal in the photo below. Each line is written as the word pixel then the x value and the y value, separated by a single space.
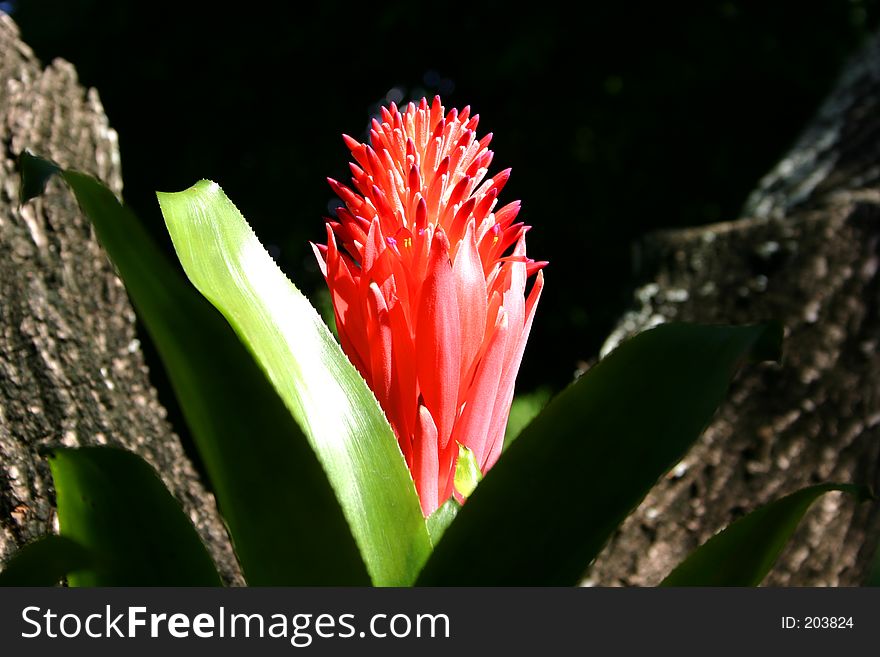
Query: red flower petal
pixel 426 462
pixel 438 339
pixel 380 345
pixel 472 428
pixel 470 287
pixel 505 387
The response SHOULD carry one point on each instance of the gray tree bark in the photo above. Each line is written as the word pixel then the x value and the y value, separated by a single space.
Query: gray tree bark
pixel 806 253
pixel 71 368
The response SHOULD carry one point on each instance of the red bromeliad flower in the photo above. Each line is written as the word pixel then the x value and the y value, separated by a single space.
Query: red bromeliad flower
pixel 429 288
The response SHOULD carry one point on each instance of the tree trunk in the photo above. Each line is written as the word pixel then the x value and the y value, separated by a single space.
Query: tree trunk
pixel 71 368
pixel 806 253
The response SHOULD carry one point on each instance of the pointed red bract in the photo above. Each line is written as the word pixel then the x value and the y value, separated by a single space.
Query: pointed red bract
pixel 428 287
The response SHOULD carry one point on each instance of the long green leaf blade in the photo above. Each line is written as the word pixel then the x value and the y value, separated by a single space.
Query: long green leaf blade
pixel 226 262
pixel 113 503
pixel 555 497
pixel 744 552
pixel 44 562
pixel 285 521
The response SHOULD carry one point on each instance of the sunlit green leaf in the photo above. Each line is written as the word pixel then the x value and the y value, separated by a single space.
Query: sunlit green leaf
pixel 556 496
pixel 44 562
pixel 114 505
pixel 226 262
pixel 744 552
pixel 284 518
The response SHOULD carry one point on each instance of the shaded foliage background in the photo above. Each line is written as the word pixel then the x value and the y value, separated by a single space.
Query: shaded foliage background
pixel 617 118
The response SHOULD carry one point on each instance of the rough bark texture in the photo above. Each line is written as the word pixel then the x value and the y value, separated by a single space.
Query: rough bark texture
pixel 71 368
pixel 806 253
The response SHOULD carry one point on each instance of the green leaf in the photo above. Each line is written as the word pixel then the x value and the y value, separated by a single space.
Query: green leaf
pixel 524 409
pixel 35 175
pixel 744 552
pixel 339 414
pixel 439 521
pixel 113 503
pixel 555 497
pixel 44 562
pixel 873 577
pixel 285 521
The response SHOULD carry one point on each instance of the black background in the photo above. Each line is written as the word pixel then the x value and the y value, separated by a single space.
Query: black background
pixel 617 117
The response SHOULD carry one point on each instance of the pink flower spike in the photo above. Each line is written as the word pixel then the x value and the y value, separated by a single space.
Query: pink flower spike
pixel 428 287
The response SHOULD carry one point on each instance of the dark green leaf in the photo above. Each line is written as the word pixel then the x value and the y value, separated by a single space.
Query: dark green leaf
pixel 339 414
pixel 35 173
pixel 524 409
pixel 744 552
pixel 873 578
pixel 44 562
pixel 556 496
pixel 285 521
pixel 440 520
pixel 114 504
